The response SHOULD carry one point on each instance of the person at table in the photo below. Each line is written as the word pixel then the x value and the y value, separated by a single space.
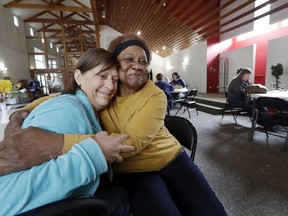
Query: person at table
pixel 76 173
pixel 167 87
pixel 177 81
pixel 159 175
pixel 236 90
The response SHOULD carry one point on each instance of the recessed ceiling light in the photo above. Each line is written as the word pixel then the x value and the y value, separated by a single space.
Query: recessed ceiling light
pixel 139 32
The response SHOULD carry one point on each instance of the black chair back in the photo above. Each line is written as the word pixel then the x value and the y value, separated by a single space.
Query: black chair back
pixel 228 108
pixel 192 93
pixel 189 102
pixel 71 207
pixel 184 131
pixel 271 102
pixel 271 112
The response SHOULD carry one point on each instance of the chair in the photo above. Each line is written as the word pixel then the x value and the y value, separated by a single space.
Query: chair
pixel 169 102
pixel 272 113
pixel 235 111
pixel 229 109
pixel 188 102
pixel 184 131
pixel 87 205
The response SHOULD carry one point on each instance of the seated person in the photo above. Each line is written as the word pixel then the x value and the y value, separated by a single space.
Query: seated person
pixel 160 177
pixel 166 87
pixel 76 173
pixel 177 81
pixel 236 91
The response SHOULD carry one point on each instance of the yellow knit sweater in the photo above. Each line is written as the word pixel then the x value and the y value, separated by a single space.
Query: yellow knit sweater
pixel 141 116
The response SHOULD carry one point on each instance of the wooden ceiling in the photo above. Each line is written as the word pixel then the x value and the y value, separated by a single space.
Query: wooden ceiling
pixel 170 24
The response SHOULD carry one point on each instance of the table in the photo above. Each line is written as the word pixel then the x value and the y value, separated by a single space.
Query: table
pixel 179 90
pixel 273 93
pixel 177 94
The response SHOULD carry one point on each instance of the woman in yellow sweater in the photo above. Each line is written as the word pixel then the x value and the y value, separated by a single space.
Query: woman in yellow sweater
pixel 159 176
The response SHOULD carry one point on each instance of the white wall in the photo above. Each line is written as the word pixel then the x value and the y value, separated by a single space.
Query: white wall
pixel 277 53
pixel 107 34
pixel 240 58
pixel 194 74
pixel 13 48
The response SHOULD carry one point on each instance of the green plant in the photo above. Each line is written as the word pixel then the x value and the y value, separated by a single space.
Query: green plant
pixel 277 71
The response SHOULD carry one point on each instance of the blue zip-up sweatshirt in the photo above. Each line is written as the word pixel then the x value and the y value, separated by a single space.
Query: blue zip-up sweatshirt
pixel 75 173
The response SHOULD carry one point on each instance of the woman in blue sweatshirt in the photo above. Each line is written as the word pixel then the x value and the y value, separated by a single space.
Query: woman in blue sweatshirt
pixel 76 173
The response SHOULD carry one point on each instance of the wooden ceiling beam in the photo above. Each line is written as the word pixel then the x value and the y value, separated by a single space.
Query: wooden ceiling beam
pixel 216 21
pixel 207 26
pixel 250 20
pixel 165 30
pixel 143 20
pixel 48 7
pixel 94 9
pixel 189 9
pixel 126 6
pixel 59 21
pixel 70 31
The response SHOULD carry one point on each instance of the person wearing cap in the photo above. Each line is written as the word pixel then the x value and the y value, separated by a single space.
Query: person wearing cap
pixel 160 177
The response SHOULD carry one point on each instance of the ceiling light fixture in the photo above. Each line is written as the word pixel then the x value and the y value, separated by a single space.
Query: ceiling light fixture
pixel 2 67
pixel 103 14
pixel 139 32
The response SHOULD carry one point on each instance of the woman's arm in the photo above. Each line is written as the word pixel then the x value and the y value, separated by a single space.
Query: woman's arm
pixel 171 87
pixel 183 83
pixel 24 148
pixel 144 124
pixel 54 180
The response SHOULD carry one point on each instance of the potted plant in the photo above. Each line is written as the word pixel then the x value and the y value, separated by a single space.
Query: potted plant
pixel 277 71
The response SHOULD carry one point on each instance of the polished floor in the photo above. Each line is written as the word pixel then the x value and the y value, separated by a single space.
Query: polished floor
pixel 249 177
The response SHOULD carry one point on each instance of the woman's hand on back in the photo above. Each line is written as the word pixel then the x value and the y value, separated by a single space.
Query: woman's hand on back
pixel 23 148
pixel 112 146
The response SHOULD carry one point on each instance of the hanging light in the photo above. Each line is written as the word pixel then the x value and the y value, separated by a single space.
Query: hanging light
pixel 103 14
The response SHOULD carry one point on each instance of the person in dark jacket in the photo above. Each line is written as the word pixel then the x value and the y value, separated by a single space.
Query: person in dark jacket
pixel 167 87
pixel 177 81
pixel 236 90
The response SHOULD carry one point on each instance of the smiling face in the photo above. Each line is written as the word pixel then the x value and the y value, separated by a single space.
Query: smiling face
pixel 99 86
pixel 133 70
